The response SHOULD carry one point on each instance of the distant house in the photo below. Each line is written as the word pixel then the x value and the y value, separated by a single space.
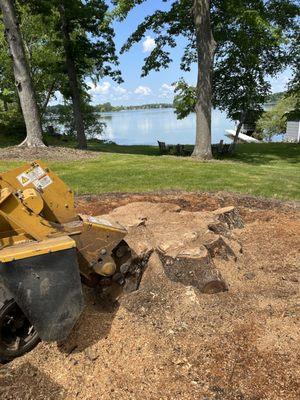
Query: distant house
pixel 292 132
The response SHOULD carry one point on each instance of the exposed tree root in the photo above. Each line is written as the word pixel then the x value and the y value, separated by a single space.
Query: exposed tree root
pixel 32 142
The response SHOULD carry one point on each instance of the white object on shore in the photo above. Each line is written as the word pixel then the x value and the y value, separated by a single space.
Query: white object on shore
pixel 230 133
pixel 292 132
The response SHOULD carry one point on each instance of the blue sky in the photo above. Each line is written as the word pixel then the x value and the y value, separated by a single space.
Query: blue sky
pixel 157 86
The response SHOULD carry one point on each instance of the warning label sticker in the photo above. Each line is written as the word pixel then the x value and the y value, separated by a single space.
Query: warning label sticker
pixel 32 174
pixel 42 183
pixel 35 173
pixel 23 179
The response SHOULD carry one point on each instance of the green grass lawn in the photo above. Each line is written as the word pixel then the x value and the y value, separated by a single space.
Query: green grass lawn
pixel 269 170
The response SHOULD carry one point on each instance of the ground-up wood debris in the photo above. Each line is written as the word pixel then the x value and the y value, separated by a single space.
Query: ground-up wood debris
pixel 168 340
pixel 46 153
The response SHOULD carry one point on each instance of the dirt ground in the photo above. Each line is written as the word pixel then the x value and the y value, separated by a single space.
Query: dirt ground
pixel 46 153
pixel 168 340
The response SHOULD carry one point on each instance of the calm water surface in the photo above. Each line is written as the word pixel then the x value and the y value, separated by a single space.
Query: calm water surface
pixel 148 126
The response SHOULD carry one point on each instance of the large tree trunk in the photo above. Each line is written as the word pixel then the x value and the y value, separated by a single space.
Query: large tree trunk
pixel 22 76
pixel 75 93
pixel 205 49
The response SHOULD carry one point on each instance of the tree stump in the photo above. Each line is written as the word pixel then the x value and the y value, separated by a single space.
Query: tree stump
pixel 186 243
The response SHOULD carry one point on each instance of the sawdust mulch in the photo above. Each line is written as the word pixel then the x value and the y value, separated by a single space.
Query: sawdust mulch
pixel 52 153
pixel 168 341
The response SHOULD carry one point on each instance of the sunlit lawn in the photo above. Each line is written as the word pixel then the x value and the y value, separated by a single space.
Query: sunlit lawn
pixel 270 170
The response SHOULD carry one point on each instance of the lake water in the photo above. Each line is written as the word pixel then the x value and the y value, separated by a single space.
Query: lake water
pixel 148 126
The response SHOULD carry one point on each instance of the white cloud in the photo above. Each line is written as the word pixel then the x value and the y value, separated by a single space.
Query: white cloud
pixel 120 90
pixel 148 44
pixel 143 90
pixel 167 88
pixel 101 88
pixel 166 91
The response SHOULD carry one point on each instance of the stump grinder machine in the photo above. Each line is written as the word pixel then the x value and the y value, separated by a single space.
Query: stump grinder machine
pixel 46 252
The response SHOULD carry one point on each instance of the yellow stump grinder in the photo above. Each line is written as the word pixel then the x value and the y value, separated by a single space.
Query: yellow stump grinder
pixel 46 251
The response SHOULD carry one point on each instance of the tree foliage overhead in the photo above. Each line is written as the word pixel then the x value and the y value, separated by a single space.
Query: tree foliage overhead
pixel 92 37
pixel 254 40
pixel 91 46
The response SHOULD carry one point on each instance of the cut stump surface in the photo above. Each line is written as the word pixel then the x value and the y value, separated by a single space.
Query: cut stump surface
pixel 186 242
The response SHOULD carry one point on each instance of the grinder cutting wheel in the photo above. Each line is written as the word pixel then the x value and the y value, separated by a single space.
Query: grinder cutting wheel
pixel 46 250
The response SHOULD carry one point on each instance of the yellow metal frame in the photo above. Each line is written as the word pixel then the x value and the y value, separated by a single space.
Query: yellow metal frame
pixel 31 249
pixel 37 216
pixel 58 197
pixel 14 211
pixel 34 202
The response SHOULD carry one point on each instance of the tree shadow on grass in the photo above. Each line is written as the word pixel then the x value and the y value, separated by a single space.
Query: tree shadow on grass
pixel 266 153
pixel 28 382
pixel 122 149
pixel 147 150
pixel 250 153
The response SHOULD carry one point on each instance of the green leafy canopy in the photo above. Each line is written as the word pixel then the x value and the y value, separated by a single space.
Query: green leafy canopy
pixel 91 45
pixel 254 39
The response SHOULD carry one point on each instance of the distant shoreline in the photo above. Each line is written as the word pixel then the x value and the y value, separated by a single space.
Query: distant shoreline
pixel 134 109
pixel 107 107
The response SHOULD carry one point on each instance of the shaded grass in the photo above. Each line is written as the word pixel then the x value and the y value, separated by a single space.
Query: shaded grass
pixel 267 153
pixel 93 145
pixel 270 170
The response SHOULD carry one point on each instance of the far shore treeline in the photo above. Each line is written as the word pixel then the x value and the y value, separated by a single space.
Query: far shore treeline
pixel 108 107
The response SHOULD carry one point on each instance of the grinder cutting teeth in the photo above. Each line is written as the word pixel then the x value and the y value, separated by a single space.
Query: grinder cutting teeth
pixel 46 250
